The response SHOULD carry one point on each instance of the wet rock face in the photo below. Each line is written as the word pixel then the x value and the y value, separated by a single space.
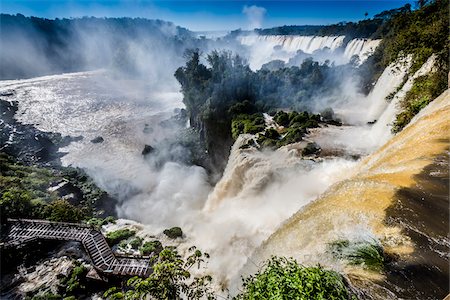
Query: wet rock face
pixel 27 143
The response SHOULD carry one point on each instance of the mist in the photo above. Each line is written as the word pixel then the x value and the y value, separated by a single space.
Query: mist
pixel 134 100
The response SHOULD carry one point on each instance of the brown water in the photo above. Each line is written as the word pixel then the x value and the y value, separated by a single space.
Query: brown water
pixel 399 197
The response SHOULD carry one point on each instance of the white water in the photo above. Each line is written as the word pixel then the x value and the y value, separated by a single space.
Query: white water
pixel 264 48
pixel 363 48
pixel 258 191
pixel 293 43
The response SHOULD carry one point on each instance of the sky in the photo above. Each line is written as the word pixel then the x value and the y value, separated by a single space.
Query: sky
pixel 209 15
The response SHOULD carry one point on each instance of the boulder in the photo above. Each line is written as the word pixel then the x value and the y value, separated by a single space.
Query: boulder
pixel 97 140
pixel 147 150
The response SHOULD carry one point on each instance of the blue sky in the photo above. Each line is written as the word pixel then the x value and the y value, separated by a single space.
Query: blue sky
pixel 208 15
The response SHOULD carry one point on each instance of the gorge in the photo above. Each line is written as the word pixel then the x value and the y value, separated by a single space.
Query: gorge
pixel 311 146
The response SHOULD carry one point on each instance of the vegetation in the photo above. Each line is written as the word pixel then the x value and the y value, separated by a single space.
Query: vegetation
pixel 74 284
pixel 171 279
pixel 247 124
pixel 284 278
pixel 419 34
pixel 136 242
pixel 24 192
pixel 295 126
pixel 174 232
pixel 368 254
pixel 151 247
pixel 115 237
pixel 99 222
pixel 226 97
pixel 424 90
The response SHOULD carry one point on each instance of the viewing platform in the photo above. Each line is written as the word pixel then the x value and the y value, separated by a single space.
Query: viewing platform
pixel 21 231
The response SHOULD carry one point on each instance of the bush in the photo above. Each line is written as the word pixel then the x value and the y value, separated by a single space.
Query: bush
pixel 171 279
pixel 284 278
pixel 136 243
pixel 63 211
pixel 15 204
pixel 75 282
pixel 251 124
pixel 99 222
pixel 174 232
pixel 311 148
pixel 424 90
pixel 368 254
pixel 114 237
pixel 281 118
pixel 151 247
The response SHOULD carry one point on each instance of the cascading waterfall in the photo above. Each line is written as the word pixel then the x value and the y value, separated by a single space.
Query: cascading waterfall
pixel 363 48
pixel 291 44
pixel 357 208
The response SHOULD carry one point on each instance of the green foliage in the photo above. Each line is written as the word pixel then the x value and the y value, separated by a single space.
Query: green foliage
pixel 174 232
pixel 99 222
pixel 284 278
pixel 15 203
pixel 136 242
pixel 114 237
pixel 311 148
pixel 368 254
pixel 281 118
pixel 63 211
pixel 74 284
pixel 295 127
pixel 24 192
pixel 216 96
pixel 151 247
pixel 252 124
pixel 424 90
pixel 170 279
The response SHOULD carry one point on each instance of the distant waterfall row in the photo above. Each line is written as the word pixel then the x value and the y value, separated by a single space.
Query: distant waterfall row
pixel 363 48
pixel 307 44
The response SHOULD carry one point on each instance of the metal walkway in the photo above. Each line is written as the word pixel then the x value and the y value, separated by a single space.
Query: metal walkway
pixel 22 231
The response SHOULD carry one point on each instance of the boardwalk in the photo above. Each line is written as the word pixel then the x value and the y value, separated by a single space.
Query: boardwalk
pixel 103 259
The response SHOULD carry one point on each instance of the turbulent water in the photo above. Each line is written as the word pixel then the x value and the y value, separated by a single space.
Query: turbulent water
pixel 364 207
pixel 258 190
pixel 265 48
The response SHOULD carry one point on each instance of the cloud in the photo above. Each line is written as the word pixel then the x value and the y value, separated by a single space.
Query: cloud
pixel 255 15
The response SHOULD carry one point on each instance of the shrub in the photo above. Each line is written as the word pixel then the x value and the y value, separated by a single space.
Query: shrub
pixel 114 237
pixel 151 247
pixel 284 278
pixel 63 211
pixel 424 90
pixel 281 118
pixel 171 279
pixel 368 254
pixel 136 242
pixel 174 232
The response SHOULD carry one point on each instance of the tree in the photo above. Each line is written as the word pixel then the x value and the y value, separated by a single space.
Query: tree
pixel 170 279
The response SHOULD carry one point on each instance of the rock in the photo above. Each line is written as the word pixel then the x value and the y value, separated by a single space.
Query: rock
pixel 97 140
pixel 174 232
pixel 147 150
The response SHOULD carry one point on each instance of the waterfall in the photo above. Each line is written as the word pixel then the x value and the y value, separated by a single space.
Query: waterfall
pixel 264 48
pixel 361 207
pixel 293 43
pixel 363 48
pixel 380 129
